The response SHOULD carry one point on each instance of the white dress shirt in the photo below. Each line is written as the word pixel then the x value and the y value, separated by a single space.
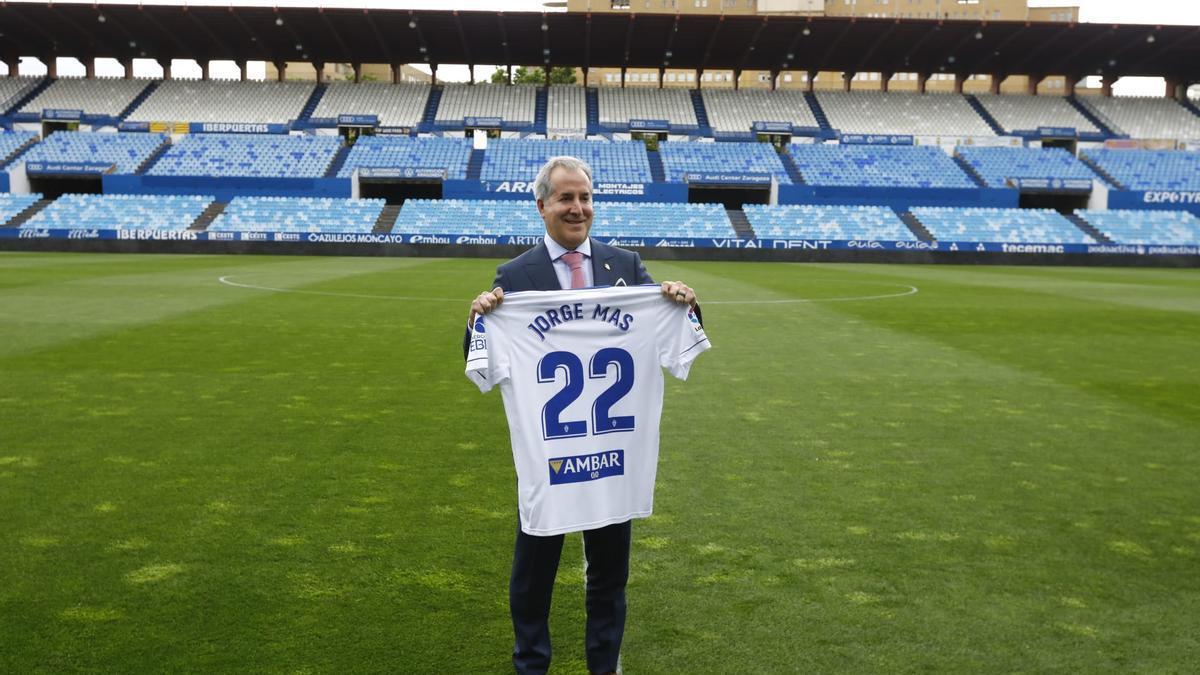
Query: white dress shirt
pixel 562 269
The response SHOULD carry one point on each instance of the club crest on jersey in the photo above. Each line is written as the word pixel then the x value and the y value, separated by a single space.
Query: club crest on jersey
pixel 694 319
pixel 479 324
pixel 582 468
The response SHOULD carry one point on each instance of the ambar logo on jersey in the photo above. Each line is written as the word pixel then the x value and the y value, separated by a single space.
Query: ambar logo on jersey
pixel 581 468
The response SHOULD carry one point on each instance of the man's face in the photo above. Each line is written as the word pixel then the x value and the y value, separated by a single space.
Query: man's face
pixel 568 209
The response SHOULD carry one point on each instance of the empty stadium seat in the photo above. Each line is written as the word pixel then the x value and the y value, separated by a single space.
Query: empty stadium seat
pixel 566 110
pixel 303 214
pixel 396 105
pixel 96 96
pixel 1149 169
pixel 13 88
pixel 278 155
pixel 1163 228
pixel 402 152
pixel 520 159
pixel 735 110
pixel 127 151
pixel 1023 112
pixel 12 205
pixel 514 104
pixel 838 223
pixel 1026 226
pixel 1145 116
pixel 680 158
pixel 657 219
pixel 263 102
pixel 878 166
pixel 872 112
pixel 618 106
pixel 11 141
pixel 996 164
pixel 121 212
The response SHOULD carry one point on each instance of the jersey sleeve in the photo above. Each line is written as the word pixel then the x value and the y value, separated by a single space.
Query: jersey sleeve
pixel 483 367
pixel 683 341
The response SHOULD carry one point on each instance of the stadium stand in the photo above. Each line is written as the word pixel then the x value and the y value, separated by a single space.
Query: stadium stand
pixel 98 96
pixel 1149 169
pixel 870 112
pixel 13 88
pixel 457 216
pixel 1031 226
pixel 618 106
pixel 12 205
pixel 401 152
pixel 616 161
pixel 732 110
pixel 120 212
pixel 127 151
pixel 656 219
pixel 1021 112
pixel 262 102
pixel 513 104
pixel 680 158
pixel 1145 116
pixel 305 214
pixel 839 223
pixel 566 110
pixel 11 142
pixel 1166 228
pixel 878 166
pixel 277 155
pixel 995 164
pixel 397 105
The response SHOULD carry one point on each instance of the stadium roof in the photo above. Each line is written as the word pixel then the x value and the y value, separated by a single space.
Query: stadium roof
pixel 846 44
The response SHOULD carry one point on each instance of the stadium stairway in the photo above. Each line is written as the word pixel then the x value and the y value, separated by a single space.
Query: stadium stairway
pixel 741 224
pixel 1088 228
pixel 4 161
pixel 969 170
pixel 1101 172
pixel 475 164
pixel 1092 117
pixel 338 160
pixel 539 110
pixel 790 166
pixel 818 112
pixel 29 212
pixel 387 219
pixel 592 105
pixel 208 215
pixel 149 161
pixel 704 127
pixel 137 100
pixel 310 106
pixel 987 116
pixel 431 106
pixel 657 172
pixel 915 226
pixel 29 96
pixel 1187 103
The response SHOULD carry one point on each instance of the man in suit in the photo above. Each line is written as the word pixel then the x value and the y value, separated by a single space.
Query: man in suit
pixel 568 258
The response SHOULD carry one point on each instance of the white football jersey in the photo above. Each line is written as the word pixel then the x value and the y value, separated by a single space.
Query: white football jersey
pixel 580 372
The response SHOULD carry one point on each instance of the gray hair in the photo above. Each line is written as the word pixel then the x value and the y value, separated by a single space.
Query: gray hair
pixel 541 184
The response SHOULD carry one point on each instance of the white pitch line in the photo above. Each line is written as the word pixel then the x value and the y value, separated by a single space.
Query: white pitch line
pixel 912 290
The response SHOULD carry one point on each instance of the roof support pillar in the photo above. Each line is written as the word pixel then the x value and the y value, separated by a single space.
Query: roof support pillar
pixel 662 76
pixel 471 74
pixel 242 67
pixel 622 77
pixel 847 78
pixel 281 71
pixel 774 79
pixel 994 85
pixel 51 66
pixel 204 71
pixel 89 69
pixel 1031 84
pixel 922 80
pixel 959 78
pixel 508 70
pixel 165 64
pixel 1106 85
pixel 14 66
pixel 699 77
pixel 585 72
pixel 812 81
pixel 127 64
pixel 397 73
pixel 319 71
pixel 546 79
pixel 885 81
pixel 737 80
pixel 1174 89
pixel 433 74
pixel 1069 87
pixel 357 72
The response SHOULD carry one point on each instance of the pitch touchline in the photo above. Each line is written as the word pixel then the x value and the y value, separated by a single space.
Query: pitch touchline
pixel 912 290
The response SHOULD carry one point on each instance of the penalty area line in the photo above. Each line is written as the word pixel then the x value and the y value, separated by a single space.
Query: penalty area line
pixel 228 281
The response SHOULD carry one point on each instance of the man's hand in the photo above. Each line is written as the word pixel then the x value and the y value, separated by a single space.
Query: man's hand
pixel 487 301
pixel 677 291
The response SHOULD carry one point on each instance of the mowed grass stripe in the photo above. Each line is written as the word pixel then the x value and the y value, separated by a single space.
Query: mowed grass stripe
pixel 295 482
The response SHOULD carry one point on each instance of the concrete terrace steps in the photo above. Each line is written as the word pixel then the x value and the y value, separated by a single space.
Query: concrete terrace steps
pixel 139 99
pixel 208 215
pixel 969 170
pixel 431 107
pixel 29 212
pixel 1088 228
pixel 387 219
pixel 987 116
pixel 29 96
pixel 475 164
pixel 1101 172
pixel 1092 117
pixel 789 166
pixel 741 224
pixel 657 172
pixel 153 158
pixel 915 226
pixel 819 113
pixel 19 151
pixel 338 160
pixel 704 126
pixel 314 99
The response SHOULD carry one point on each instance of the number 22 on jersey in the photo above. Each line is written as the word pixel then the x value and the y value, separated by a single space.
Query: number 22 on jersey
pixel 553 427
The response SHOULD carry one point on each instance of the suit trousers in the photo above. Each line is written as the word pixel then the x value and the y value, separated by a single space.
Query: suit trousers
pixel 535 565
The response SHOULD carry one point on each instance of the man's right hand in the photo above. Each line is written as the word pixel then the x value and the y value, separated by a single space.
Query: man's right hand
pixel 487 301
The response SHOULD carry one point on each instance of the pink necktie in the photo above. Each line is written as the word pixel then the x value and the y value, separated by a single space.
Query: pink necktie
pixel 574 260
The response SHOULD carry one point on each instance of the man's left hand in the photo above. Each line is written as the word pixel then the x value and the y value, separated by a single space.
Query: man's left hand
pixel 677 291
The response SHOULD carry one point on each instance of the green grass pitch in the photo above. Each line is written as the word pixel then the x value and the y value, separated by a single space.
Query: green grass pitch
pixel 998 472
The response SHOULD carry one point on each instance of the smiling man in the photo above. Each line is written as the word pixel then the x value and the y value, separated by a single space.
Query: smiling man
pixel 569 258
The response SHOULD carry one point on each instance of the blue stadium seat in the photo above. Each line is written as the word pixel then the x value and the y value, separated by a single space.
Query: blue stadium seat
pixel 127 151
pixel 838 223
pixel 11 141
pixel 680 158
pixel 1016 226
pixel 121 212
pixel 510 159
pixel 1146 227
pixel 248 155
pixel 916 166
pixel 996 164
pixel 403 152
pixel 12 205
pixel 304 214
pixel 1149 169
